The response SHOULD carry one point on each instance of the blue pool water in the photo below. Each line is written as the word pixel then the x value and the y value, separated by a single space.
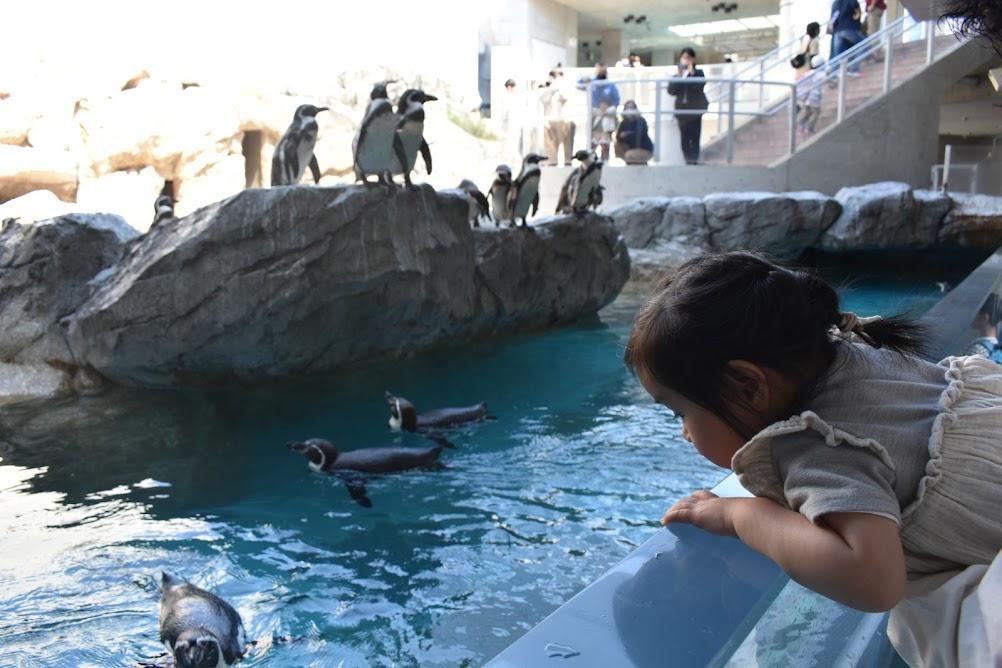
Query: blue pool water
pixel 446 569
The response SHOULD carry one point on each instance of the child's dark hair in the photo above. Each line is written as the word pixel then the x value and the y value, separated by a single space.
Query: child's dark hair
pixel 976 18
pixel 740 306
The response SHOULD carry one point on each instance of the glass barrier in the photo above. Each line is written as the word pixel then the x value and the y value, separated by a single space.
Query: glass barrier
pixel 689 598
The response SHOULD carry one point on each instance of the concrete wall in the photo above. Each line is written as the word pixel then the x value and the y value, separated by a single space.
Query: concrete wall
pixel 893 138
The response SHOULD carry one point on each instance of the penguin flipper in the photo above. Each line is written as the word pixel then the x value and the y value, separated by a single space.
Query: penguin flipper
pixel 535 204
pixel 314 169
pixel 482 203
pixel 426 154
pixel 439 439
pixel 398 149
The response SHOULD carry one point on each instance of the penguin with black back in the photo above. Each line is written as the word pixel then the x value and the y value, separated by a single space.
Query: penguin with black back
pixel 409 139
pixel 524 192
pixel 404 417
pixel 163 207
pixel 499 194
pixel 479 208
pixel 199 629
pixel 294 151
pixel 583 188
pixel 351 466
pixel 372 147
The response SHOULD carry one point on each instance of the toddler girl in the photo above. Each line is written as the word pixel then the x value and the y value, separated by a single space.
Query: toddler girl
pixel 877 475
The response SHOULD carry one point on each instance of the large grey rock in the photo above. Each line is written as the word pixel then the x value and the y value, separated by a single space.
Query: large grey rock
pixel 782 225
pixel 564 267
pixel 47 270
pixel 651 221
pixel 886 215
pixel 294 280
pixel 36 382
pixel 975 221
pixel 648 266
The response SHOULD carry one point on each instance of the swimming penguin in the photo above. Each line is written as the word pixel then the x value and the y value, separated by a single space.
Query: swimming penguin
pixel 409 138
pixel 583 187
pixel 524 192
pixel 295 149
pixel 499 194
pixel 404 417
pixel 323 457
pixel 372 147
pixel 476 200
pixel 199 629
pixel 163 207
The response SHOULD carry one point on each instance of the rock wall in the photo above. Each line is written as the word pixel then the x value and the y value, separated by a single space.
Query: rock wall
pixel 886 216
pixel 47 270
pixel 299 280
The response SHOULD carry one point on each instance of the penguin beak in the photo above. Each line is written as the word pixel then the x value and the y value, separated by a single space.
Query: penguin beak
pixel 429 98
pixel 295 446
pixel 319 109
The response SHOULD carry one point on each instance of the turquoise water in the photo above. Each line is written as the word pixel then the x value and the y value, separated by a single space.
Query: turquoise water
pixel 446 569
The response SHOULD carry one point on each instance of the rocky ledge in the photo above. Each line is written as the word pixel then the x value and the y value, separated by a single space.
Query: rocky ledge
pixel 662 232
pixel 277 283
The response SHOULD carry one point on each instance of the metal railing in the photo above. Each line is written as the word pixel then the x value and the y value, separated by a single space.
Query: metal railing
pixel 740 93
pixel 726 108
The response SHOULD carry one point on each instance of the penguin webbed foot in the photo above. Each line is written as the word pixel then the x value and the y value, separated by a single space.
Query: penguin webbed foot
pixel 357 491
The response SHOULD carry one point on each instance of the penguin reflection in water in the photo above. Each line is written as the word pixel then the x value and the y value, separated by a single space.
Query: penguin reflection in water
pixel 295 149
pixel 352 466
pixel 199 629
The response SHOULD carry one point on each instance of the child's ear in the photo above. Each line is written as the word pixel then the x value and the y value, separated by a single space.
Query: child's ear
pixel 749 384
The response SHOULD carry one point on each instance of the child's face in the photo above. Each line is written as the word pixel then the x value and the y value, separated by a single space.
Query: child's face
pixel 714 438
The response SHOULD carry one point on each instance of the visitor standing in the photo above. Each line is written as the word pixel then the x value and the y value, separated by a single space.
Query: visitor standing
pixel 604 104
pixel 846 29
pixel 558 131
pixel 512 123
pixel 690 99
pixel 633 142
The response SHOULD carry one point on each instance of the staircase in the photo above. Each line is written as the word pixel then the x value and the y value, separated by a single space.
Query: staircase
pixel 766 139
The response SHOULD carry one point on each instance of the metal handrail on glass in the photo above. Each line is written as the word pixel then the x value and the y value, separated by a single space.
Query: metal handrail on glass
pixel 732 112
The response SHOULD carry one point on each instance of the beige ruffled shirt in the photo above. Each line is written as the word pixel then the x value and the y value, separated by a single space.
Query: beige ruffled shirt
pixel 861 444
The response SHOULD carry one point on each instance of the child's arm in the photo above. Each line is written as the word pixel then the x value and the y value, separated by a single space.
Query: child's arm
pixel 854 558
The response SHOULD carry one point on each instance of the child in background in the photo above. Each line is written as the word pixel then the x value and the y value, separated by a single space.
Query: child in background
pixel 878 475
pixel 809 95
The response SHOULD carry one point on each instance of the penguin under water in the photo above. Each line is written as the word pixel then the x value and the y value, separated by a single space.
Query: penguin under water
pixel 372 149
pixel 404 417
pixel 476 200
pixel 351 466
pixel 499 194
pixel 295 149
pixel 583 187
pixel 163 207
pixel 409 139
pixel 199 629
pixel 524 192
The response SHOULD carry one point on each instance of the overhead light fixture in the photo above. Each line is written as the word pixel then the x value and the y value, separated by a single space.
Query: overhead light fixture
pixel 628 18
pixel 727 25
pixel 725 7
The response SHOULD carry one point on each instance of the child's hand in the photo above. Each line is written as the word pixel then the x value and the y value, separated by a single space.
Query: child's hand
pixel 705 510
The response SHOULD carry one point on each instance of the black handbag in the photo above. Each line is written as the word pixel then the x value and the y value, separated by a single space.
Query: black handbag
pixel 800 59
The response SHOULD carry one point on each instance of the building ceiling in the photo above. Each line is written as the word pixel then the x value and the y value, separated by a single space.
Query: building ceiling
pixel 595 16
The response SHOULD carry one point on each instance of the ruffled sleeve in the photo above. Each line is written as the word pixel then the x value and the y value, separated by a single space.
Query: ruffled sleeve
pixel 811 467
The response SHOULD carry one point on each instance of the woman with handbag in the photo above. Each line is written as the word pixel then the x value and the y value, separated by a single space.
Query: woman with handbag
pixel 690 98
pixel 810 46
